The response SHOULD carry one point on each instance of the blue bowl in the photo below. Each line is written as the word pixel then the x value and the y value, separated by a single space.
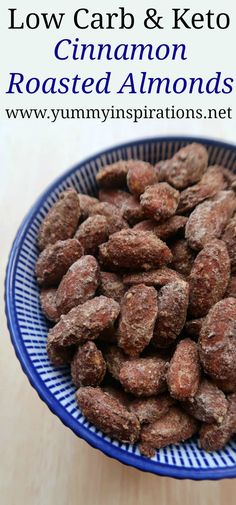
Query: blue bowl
pixel 28 327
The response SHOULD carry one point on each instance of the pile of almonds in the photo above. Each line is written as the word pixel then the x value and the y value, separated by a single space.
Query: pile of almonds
pixel 140 287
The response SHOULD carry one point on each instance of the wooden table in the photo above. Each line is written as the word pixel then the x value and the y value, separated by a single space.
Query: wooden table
pixel 42 462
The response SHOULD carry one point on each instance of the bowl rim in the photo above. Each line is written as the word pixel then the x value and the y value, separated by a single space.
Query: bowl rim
pixel 128 458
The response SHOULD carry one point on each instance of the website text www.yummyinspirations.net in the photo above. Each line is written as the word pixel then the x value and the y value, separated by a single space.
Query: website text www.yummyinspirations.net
pixel 132 114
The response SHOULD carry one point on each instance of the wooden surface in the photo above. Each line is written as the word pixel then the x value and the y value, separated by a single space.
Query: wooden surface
pixel 42 462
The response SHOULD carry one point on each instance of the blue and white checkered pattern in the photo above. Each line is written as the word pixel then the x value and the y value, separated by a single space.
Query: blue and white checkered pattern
pixel 29 328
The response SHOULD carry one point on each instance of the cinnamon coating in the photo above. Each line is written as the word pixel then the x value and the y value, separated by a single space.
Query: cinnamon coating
pixel 209 219
pixel 143 376
pixel 55 259
pixel 217 343
pixel 88 366
pixel 108 414
pixel 78 285
pixel 174 427
pixel 61 221
pixel 183 375
pixel 137 319
pixel 132 249
pixel 172 310
pixel 160 201
pixel 209 278
pixel 214 437
pixel 186 167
